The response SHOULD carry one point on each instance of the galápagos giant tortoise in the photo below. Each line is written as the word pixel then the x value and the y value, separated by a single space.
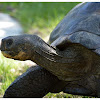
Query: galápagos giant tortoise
pixel 71 62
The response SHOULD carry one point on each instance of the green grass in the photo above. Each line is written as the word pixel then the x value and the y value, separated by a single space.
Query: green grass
pixel 39 17
pixel 9 71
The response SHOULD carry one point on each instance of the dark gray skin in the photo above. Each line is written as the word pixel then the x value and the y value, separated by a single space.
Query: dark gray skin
pixel 68 65
pixel 75 64
pixel 68 57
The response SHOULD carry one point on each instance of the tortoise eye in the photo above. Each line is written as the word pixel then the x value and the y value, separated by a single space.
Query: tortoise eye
pixel 9 42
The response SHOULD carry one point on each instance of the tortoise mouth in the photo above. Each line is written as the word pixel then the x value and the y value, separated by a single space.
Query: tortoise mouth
pixel 17 56
pixel 8 54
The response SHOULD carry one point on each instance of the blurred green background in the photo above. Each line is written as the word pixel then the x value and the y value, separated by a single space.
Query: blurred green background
pixel 43 16
pixel 36 18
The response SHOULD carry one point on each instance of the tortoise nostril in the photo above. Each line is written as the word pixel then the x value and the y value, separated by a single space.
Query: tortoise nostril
pixel 9 42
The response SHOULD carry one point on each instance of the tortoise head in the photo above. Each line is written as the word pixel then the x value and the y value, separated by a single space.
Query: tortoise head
pixel 16 47
pixel 64 60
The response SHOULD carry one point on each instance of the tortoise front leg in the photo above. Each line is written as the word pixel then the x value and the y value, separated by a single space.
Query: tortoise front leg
pixel 35 82
pixel 78 91
pixel 98 87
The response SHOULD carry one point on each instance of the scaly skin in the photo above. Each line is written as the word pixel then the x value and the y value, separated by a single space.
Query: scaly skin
pixel 75 64
pixel 63 64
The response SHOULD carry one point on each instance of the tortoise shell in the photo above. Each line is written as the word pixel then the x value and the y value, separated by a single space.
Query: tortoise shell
pixel 80 25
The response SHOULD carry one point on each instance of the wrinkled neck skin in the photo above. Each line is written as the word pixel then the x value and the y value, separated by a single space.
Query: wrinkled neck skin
pixel 70 64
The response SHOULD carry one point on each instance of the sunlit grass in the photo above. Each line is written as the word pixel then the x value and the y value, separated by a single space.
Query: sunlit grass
pixel 9 71
pixel 63 95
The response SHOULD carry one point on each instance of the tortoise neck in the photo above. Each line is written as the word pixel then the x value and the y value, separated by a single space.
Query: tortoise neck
pixel 59 63
pixel 44 54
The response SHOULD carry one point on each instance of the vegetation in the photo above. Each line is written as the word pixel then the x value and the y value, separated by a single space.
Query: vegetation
pixel 40 18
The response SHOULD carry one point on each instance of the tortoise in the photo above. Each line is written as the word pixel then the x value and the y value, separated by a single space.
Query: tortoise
pixel 70 63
